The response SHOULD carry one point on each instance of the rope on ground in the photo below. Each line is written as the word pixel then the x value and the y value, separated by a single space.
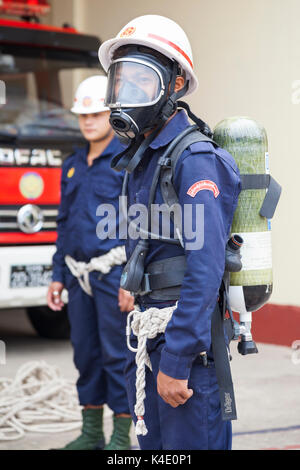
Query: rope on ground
pixel 38 399
pixel 145 325
pixel 103 263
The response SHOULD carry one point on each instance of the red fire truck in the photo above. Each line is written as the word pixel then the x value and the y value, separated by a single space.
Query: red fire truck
pixel 38 64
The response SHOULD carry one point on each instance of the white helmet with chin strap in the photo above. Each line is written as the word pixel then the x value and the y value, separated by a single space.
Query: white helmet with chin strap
pixel 90 95
pixel 158 33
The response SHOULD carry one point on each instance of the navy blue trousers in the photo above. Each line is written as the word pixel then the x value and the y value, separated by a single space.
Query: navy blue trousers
pixel 99 343
pixel 196 425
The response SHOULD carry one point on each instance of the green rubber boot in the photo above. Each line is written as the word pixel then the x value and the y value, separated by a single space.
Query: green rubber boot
pixel 120 439
pixel 91 437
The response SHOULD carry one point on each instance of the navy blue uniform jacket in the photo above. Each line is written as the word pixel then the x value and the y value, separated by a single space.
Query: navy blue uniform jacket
pixel 203 175
pixel 83 189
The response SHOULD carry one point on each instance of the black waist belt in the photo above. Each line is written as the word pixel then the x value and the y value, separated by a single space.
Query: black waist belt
pixel 162 279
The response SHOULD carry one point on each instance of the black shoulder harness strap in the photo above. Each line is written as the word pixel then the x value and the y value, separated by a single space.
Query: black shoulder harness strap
pixel 168 170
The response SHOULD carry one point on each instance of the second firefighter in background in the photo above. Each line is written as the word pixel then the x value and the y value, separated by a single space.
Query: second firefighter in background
pixel 97 325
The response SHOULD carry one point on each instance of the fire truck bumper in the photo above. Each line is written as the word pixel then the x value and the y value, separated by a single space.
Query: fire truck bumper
pixel 25 273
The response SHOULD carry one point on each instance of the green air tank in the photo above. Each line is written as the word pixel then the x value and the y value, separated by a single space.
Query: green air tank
pixel 246 140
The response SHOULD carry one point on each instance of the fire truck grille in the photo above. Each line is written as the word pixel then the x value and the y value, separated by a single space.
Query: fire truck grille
pixel 10 222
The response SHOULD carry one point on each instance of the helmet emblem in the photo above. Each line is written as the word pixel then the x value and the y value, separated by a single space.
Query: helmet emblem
pixel 87 101
pixel 128 32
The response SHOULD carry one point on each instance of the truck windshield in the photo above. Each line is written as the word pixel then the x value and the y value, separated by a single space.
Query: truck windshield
pixel 40 86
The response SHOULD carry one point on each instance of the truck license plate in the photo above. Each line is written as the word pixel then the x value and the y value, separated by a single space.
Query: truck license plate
pixel 32 275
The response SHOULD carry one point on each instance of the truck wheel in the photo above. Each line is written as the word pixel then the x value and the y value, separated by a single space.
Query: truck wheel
pixel 50 324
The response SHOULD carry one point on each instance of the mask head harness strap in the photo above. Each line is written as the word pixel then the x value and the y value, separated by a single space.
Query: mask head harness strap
pixel 203 127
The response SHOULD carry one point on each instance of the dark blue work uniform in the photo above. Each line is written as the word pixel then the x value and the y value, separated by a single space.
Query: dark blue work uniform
pixel 97 325
pixel 208 176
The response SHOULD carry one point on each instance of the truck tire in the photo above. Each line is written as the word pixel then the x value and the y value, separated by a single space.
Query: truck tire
pixel 50 324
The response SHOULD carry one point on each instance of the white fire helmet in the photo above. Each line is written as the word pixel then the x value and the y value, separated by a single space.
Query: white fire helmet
pixel 90 95
pixel 158 33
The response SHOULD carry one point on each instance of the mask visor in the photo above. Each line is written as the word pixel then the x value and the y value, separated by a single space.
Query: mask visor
pixel 133 83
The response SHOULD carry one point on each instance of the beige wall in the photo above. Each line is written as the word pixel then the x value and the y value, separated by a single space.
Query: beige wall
pixel 247 57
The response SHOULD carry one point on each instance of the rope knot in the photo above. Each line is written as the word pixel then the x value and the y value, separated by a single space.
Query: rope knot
pixel 146 325
pixel 103 263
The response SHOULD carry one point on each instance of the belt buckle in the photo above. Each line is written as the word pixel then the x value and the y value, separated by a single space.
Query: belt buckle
pixel 146 285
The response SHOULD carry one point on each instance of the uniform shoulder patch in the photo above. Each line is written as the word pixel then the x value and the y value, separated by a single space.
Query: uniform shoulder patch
pixel 202 185
pixel 71 172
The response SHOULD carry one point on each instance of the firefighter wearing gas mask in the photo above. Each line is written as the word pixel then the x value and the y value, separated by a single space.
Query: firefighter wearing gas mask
pixel 90 268
pixel 150 67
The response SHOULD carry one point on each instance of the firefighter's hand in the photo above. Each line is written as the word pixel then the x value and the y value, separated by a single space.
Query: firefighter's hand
pixel 173 391
pixel 54 296
pixel 126 301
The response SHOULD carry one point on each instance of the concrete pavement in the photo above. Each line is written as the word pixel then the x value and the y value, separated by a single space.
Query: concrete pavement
pixel 267 388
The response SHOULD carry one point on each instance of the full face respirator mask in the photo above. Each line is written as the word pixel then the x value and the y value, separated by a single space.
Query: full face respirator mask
pixel 140 93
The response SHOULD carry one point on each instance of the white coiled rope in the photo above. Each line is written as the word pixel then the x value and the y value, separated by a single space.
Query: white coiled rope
pixel 103 263
pixel 38 399
pixel 145 325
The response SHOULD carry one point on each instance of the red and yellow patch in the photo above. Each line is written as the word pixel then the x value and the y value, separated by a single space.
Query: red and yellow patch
pixel 201 185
